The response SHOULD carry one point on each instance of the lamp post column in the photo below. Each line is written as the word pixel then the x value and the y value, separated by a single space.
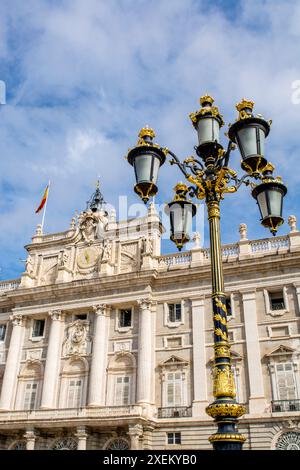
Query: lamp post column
pixel 224 409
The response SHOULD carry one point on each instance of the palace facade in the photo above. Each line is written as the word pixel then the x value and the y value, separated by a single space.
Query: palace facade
pixel 105 343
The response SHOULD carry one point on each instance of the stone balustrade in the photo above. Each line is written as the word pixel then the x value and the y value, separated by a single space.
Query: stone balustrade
pixel 9 285
pixel 70 413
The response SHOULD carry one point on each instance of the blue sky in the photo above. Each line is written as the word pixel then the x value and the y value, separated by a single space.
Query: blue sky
pixel 83 76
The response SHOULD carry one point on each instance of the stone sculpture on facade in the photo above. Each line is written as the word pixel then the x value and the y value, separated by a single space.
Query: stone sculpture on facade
pixel 292 221
pixel 76 341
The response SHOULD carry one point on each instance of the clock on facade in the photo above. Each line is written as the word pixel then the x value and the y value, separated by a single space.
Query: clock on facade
pixel 87 258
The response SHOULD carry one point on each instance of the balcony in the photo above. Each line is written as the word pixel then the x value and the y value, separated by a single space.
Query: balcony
pixel 106 413
pixel 175 412
pixel 284 406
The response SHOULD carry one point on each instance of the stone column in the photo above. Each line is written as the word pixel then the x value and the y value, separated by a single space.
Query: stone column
pixel 30 440
pixel 97 382
pixel 297 289
pixel 51 375
pixel 12 362
pixel 200 401
pixel 144 370
pixel 135 432
pixel 82 436
pixel 257 399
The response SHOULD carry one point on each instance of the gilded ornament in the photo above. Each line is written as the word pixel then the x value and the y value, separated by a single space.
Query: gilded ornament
pixel 222 334
pixel 226 410
pixel 227 437
pixel 224 385
pixel 222 320
pixel 222 351
pixel 220 304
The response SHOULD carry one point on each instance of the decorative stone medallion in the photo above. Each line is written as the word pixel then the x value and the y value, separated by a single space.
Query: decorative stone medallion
pixel 289 441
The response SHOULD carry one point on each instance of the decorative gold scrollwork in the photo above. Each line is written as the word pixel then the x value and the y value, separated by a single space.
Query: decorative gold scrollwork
pixel 224 385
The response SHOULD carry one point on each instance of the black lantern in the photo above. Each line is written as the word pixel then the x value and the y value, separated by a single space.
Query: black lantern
pixel 269 196
pixel 146 158
pixel 207 122
pixel 181 212
pixel 249 133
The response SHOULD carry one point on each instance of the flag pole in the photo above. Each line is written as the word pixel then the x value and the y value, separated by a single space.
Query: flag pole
pixel 45 207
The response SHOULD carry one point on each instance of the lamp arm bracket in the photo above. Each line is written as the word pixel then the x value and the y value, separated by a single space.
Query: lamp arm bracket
pixel 177 162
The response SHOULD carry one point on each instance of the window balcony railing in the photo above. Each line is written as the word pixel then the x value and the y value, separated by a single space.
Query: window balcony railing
pixel 175 412
pixel 282 406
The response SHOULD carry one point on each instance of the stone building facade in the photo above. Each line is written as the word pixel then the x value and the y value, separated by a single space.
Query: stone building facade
pixel 105 343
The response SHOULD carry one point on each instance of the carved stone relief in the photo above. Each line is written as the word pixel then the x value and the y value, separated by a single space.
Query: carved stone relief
pixel 76 342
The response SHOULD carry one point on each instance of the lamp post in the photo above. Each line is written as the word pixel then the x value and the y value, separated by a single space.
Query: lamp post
pixel 210 179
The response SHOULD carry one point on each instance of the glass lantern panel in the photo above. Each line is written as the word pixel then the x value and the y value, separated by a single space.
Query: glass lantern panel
pixel 143 168
pixel 275 200
pixel 262 204
pixel 188 218
pixel 208 130
pixel 262 142
pixel 181 218
pixel 156 165
pixel 247 141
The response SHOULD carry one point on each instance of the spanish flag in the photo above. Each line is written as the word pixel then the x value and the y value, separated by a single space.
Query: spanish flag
pixel 43 201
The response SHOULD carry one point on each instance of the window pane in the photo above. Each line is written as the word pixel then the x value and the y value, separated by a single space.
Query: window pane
pixel 74 393
pixel 125 318
pixel 38 328
pixel 122 390
pixel 178 312
pixel 177 438
pixel 30 396
pixel 2 331
pixel 171 313
pixel 170 438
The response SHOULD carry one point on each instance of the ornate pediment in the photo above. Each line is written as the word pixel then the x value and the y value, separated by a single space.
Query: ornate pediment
pixel 281 351
pixel 174 361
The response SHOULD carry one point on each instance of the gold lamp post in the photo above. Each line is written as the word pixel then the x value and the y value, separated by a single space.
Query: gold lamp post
pixel 210 179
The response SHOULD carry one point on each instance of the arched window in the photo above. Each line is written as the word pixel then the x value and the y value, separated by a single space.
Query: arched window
pixel 117 443
pixel 30 385
pixel 18 445
pixel 74 383
pixel 64 443
pixel 121 379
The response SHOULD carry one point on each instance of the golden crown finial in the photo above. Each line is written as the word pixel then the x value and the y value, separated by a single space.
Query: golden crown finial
pixel 146 131
pixel 206 99
pixel 180 186
pixel 245 104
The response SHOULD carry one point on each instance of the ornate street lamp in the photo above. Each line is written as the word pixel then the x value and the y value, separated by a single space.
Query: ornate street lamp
pixel 211 179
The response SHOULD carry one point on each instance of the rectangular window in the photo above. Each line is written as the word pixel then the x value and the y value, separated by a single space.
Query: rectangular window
pixel 30 396
pixel 125 318
pixel 38 328
pixel 174 438
pixel 2 331
pixel 174 313
pixel 122 390
pixel 285 381
pixel 82 316
pixel 174 389
pixel 228 306
pixel 276 300
pixel 74 393
pixel 230 336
